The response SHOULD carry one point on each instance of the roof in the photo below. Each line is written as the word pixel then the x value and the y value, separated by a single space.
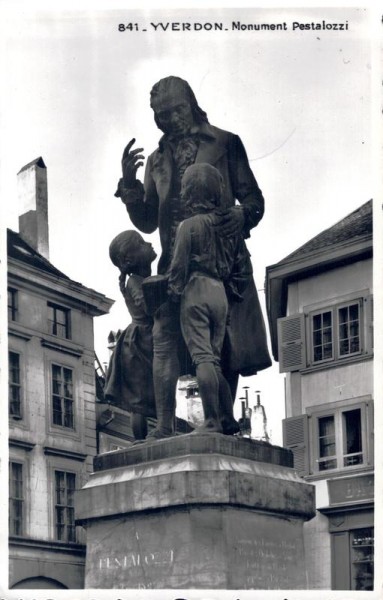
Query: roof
pixel 356 225
pixel 20 250
pixel 349 240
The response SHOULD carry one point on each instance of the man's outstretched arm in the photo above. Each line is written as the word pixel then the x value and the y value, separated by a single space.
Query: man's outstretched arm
pixel 141 201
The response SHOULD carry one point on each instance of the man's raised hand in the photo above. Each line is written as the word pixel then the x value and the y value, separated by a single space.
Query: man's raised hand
pixel 131 161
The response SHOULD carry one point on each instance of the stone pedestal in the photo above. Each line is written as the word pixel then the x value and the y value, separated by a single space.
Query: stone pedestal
pixel 195 512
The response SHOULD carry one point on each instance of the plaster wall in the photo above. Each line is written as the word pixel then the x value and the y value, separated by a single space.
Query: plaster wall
pixel 61 567
pixel 330 382
pixel 33 314
pixel 321 289
pixel 36 428
pixel 340 383
pixel 34 441
pixel 317 543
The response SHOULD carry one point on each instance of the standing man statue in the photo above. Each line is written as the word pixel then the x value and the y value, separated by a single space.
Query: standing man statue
pixel 189 138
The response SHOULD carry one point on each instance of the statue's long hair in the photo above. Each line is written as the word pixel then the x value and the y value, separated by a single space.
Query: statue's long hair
pixel 164 87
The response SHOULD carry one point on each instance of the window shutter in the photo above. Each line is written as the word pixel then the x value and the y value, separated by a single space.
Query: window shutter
pixel 369 312
pixel 370 432
pixel 295 437
pixel 291 343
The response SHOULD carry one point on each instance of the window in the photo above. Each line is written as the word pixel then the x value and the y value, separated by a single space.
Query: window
pixel 346 427
pixel 333 437
pixel 59 321
pixel 16 499
pixel 352 437
pixel 322 336
pixel 326 442
pixel 12 304
pixel 352 550
pixel 362 559
pixel 326 336
pixel 62 396
pixel 65 484
pixel 336 332
pixel 14 385
pixel 349 331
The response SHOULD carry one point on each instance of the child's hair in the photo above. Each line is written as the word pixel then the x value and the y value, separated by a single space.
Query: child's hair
pixel 123 247
pixel 202 186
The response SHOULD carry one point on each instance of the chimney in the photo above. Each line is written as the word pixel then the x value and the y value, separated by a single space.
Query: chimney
pixel 33 198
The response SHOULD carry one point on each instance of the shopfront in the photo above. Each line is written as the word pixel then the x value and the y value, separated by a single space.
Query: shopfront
pixel 351 526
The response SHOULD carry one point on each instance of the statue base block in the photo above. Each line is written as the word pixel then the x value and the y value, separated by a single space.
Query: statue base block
pixel 195 512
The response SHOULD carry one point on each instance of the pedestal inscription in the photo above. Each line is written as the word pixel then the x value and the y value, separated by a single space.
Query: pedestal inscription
pixel 213 548
pixel 206 521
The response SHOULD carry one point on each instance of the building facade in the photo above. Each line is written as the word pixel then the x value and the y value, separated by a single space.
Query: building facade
pixel 320 309
pixel 52 399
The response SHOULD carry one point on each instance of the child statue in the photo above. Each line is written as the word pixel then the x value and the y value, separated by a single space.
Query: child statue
pixel 129 381
pixel 208 271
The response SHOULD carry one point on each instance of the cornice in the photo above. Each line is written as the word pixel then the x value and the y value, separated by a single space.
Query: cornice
pixel 62 346
pixel 24 444
pixel 63 453
pixel 52 545
pixel 31 278
pixel 19 331
pixel 331 256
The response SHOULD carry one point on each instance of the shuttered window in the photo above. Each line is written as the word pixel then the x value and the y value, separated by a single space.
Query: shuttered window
pixel 295 437
pixel 325 336
pixel 342 437
pixel 336 333
pixel 331 439
pixel 291 343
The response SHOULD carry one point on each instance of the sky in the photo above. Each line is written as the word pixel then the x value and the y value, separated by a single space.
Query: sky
pixel 76 90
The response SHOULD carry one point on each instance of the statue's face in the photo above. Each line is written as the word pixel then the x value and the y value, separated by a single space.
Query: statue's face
pixel 146 253
pixel 174 115
pixel 143 256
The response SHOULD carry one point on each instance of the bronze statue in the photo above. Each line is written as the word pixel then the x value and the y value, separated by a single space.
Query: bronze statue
pixel 129 380
pixel 207 271
pixel 189 138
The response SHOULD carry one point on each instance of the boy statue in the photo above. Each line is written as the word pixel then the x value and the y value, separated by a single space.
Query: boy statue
pixel 207 270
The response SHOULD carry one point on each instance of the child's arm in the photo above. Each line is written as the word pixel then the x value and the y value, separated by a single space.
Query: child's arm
pixel 134 288
pixel 179 268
